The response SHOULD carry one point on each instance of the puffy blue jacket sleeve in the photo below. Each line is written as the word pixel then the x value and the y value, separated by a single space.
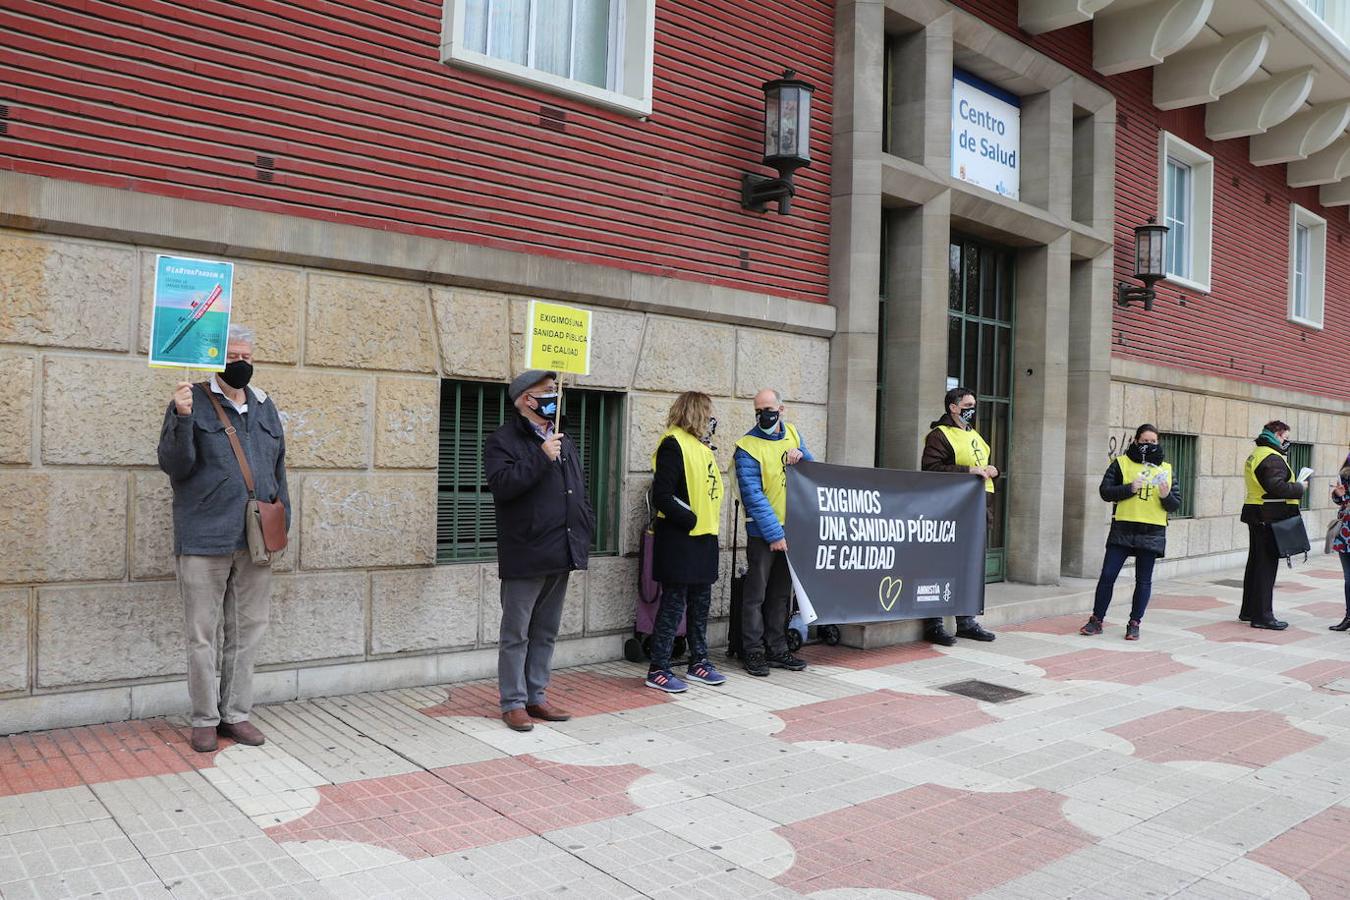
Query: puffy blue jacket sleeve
pixel 751 486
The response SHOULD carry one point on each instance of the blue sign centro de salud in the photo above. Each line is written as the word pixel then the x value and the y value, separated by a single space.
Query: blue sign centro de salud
pixel 986 135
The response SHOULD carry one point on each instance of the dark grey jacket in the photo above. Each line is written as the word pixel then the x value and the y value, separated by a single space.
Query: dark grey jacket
pixel 208 487
pixel 1136 535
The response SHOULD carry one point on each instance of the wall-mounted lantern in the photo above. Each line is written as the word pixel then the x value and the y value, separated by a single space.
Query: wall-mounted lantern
pixel 1148 264
pixel 787 142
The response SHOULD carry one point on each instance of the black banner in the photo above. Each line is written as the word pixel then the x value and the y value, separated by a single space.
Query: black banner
pixel 868 545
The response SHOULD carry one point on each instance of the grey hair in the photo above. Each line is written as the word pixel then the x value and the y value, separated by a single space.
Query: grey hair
pixel 241 334
pixel 777 397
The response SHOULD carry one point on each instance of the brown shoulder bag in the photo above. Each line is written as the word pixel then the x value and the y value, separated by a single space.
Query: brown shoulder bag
pixel 264 521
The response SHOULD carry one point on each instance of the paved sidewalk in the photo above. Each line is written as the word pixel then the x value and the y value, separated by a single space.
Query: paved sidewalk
pixel 1208 760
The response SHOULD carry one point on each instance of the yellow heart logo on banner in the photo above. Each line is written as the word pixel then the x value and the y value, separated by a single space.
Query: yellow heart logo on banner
pixel 888 592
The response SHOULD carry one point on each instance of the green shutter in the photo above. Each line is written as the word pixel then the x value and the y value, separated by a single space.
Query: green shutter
pixel 1181 450
pixel 1300 457
pixel 466 524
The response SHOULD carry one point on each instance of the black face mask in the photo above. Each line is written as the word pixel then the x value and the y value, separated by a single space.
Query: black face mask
pixel 238 374
pixel 1150 453
pixel 548 406
pixel 712 430
pixel 967 416
pixel 1284 445
pixel 768 419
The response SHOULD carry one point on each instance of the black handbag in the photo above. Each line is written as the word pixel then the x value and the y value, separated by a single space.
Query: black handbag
pixel 1291 538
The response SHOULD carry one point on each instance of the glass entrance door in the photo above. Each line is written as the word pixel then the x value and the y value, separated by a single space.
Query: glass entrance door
pixel 979 356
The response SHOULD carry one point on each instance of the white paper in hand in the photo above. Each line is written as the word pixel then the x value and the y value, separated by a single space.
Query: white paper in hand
pixel 1304 473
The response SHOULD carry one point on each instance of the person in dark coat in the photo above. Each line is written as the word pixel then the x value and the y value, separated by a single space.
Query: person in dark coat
pixel 954 445
pixel 1272 494
pixel 687 493
pixel 1143 491
pixel 544 527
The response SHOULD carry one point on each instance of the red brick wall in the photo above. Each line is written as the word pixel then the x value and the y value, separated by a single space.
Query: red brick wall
pixel 1239 330
pixel 368 127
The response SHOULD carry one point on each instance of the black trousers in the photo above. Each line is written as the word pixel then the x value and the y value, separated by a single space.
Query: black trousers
pixel 1258 582
pixel 768 594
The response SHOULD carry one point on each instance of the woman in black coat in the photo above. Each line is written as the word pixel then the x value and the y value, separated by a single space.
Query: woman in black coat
pixel 1143 491
pixel 687 494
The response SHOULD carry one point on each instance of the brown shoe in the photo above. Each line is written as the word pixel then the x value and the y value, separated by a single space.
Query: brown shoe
pixel 203 740
pixel 517 720
pixel 548 713
pixel 242 733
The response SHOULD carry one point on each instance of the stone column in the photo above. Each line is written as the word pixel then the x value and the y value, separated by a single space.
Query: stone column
pixel 1040 404
pixel 855 229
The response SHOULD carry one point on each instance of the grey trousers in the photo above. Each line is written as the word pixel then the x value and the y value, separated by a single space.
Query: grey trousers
pixel 232 588
pixel 764 605
pixel 532 611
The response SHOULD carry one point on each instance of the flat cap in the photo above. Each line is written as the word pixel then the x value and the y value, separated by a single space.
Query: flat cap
pixel 526 380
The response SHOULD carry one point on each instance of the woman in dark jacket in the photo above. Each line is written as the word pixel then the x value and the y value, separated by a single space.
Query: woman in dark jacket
pixel 1142 489
pixel 1340 542
pixel 687 494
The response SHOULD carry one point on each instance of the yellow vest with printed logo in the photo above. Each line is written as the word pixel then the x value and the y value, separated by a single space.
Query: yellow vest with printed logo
pixel 772 459
pixel 1256 495
pixel 702 478
pixel 1145 506
pixel 971 449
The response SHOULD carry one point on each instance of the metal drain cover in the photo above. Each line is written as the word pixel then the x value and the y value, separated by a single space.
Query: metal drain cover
pixel 983 690
pixel 1228 582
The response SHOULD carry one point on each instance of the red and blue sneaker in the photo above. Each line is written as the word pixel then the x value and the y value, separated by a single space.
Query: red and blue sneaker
pixel 704 672
pixel 665 680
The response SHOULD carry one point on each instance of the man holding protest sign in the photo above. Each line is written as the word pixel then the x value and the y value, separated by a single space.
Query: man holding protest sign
pixel 954 445
pixel 209 430
pixel 762 457
pixel 544 517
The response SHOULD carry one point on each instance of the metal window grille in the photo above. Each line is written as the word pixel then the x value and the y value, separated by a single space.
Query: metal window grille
pixel 1300 457
pixel 466 523
pixel 1181 450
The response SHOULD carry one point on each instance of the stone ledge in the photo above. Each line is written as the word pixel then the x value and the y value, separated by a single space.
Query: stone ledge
pixel 54 206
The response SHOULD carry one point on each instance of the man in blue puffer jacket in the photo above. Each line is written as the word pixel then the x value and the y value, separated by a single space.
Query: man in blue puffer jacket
pixel 762 458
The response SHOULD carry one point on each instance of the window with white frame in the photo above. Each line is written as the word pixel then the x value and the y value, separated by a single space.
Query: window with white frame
pixel 1307 265
pixel 1185 206
pixel 598 50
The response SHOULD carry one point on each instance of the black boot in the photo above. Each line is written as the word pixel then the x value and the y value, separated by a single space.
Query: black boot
pixel 755 662
pixel 936 634
pixel 1343 626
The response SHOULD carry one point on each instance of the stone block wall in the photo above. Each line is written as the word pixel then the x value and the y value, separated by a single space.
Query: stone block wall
pixel 87 597
pixel 1225 422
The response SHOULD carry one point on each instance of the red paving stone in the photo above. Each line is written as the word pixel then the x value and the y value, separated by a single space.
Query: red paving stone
pixel 1325 574
pixel 882 719
pixel 414 815
pixel 932 840
pixel 580 693
pixel 94 754
pixel 543 796
pixel 1293 587
pixel 1253 739
pixel 1321 673
pixel 1186 602
pixel 461 807
pixel 1326 609
pixel 1315 853
pixel 1111 665
pixel 853 658
pixel 1240 632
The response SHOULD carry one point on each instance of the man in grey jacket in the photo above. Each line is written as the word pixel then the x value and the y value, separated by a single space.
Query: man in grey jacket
pixel 216 573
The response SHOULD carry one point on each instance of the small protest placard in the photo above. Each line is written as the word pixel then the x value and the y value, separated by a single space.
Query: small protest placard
pixel 190 316
pixel 559 338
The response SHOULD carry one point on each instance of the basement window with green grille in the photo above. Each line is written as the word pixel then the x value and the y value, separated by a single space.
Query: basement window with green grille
pixel 1180 450
pixel 466 523
pixel 1300 458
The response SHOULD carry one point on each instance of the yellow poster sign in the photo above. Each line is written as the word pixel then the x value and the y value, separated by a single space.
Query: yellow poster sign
pixel 559 338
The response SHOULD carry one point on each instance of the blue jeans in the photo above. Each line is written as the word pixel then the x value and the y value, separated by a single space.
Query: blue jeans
pixel 1345 567
pixel 1143 579
pixel 674 599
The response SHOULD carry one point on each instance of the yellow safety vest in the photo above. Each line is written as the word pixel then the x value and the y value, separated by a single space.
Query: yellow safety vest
pixel 702 478
pixel 772 459
pixel 1145 506
pixel 1256 495
pixel 971 449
